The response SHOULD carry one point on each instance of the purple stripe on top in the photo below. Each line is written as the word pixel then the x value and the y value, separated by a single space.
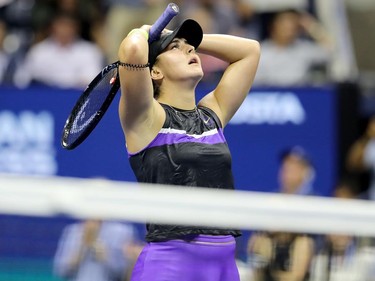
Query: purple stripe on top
pixel 170 136
pixel 173 137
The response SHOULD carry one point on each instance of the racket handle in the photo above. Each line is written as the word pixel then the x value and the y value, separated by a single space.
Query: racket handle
pixel 169 13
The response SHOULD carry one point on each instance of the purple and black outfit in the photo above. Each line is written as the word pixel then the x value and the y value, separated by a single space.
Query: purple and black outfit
pixel 190 150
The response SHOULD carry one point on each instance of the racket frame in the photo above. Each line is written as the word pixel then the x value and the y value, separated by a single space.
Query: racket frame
pixel 98 115
pixel 169 13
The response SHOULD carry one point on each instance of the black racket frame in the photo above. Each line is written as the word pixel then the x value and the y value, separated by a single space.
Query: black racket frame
pixel 99 113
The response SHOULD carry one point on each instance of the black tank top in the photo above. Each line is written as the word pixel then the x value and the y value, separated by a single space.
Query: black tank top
pixel 190 150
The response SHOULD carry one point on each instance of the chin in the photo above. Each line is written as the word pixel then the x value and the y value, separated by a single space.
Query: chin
pixel 200 72
pixel 199 76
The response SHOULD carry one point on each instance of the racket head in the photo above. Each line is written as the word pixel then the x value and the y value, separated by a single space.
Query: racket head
pixel 99 94
pixel 91 107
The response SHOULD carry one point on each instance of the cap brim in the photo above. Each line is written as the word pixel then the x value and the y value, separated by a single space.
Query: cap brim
pixel 189 30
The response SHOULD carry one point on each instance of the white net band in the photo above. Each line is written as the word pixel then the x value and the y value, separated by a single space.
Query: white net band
pixel 83 198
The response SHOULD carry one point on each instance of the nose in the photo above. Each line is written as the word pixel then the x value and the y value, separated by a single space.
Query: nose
pixel 191 49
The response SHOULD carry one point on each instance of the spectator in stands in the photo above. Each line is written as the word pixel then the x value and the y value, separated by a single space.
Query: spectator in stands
pixel 124 15
pixel 214 16
pixel 282 256
pixel 89 13
pixel 4 56
pixel 347 188
pixel 344 257
pixel 288 59
pixel 361 156
pixel 63 59
pixel 296 173
pixel 96 250
pixel 16 16
pixel 247 18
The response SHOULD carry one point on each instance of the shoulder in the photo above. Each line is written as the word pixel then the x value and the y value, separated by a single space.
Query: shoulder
pixel 118 227
pixel 118 231
pixel 266 43
pixel 73 228
pixel 303 241
pixel 307 45
pixel 41 47
pixel 87 46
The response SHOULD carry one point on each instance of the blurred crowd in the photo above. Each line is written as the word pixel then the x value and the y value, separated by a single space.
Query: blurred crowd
pixel 100 250
pixel 64 43
pixel 285 256
pixel 94 249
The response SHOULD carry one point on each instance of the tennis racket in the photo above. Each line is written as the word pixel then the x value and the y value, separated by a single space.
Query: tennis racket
pixel 99 94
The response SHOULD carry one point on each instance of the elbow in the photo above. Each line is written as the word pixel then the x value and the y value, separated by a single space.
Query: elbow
pixel 251 56
pixel 253 48
pixel 249 51
pixel 133 50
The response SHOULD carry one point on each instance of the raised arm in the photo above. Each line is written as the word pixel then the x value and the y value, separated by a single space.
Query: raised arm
pixel 137 105
pixel 243 56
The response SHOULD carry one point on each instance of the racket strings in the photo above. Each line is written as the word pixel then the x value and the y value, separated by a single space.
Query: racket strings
pixel 91 105
pixel 98 96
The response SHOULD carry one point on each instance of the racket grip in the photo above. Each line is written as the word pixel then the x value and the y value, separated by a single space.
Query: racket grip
pixel 169 13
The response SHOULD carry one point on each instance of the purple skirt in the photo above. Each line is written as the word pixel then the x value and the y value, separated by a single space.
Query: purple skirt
pixel 206 258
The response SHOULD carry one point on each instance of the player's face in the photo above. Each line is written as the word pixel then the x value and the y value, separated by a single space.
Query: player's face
pixel 180 61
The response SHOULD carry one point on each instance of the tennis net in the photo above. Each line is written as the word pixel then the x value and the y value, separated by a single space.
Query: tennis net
pixel 46 204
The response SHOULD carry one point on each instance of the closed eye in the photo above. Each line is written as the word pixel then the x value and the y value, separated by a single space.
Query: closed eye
pixel 174 45
pixel 177 43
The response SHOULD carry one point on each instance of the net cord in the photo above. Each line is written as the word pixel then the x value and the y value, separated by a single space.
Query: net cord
pixel 141 203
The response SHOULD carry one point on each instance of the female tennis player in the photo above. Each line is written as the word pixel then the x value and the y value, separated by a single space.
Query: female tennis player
pixel 172 139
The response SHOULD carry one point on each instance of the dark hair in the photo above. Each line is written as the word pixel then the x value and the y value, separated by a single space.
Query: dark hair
pixel 66 15
pixel 156 89
pixel 275 15
pixel 268 20
pixel 155 85
pixel 348 182
pixel 298 152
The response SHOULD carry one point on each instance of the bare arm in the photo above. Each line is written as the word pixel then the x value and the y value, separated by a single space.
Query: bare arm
pixel 137 111
pixel 301 255
pixel 316 31
pixel 260 250
pixel 242 55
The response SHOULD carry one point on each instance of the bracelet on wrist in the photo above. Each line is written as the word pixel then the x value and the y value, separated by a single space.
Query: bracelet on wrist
pixel 132 66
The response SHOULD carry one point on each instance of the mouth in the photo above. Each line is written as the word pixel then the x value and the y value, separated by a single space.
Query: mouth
pixel 193 61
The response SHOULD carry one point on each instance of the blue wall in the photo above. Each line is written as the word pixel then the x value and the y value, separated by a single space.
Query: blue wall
pixel 282 118
pixel 269 121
